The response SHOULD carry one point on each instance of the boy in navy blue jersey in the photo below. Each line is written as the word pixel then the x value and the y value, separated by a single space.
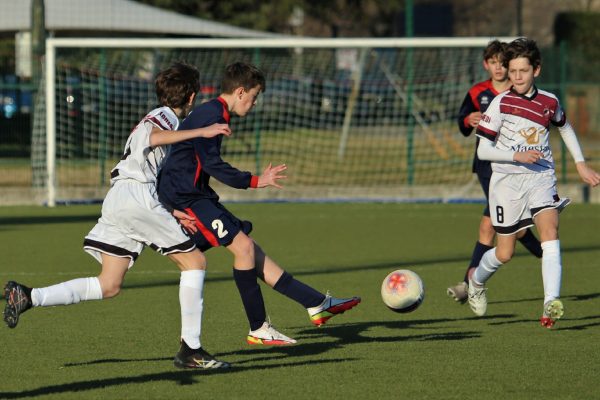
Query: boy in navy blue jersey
pixel 475 103
pixel 184 185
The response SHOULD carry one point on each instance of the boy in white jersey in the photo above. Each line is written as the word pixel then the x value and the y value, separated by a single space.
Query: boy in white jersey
pixel 133 218
pixel 515 137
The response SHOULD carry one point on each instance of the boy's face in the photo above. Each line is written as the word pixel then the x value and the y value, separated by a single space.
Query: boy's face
pixel 246 100
pixel 495 69
pixel 522 74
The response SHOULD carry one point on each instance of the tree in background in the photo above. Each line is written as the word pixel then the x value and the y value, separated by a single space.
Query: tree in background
pixel 320 18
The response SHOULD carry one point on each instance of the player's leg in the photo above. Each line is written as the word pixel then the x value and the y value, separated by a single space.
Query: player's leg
pixel 191 301
pixel 321 307
pixel 530 242
pixel 160 230
pixel 191 294
pixel 219 227
pixel 485 239
pixel 509 214
pixel 20 298
pixel 485 243
pixel 546 223
pixel 245 276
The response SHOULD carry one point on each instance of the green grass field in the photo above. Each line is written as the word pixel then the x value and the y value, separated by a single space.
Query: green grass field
pixel 123 348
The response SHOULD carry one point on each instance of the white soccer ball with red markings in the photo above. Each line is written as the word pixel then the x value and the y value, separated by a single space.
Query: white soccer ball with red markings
pixel 402 291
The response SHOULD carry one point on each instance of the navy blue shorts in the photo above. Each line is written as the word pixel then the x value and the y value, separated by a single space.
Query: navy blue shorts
pixel 217 226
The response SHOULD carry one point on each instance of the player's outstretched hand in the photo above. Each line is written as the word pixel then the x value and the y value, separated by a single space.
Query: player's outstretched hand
pixel 528 157
pixel 214 130
pixel 271 175
pixel 587 174
pixel 187 221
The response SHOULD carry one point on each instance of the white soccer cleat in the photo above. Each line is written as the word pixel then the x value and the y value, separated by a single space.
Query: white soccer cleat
pixel 477 298
pixel 553 311
pixel 269 336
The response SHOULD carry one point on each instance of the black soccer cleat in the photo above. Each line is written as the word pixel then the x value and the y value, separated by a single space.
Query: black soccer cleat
pixel 18 300
pixel 197 359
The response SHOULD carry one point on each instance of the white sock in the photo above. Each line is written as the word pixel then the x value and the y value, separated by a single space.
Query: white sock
pixel 191 299
pixel 488 265
pixel 70 292
pixel 551 269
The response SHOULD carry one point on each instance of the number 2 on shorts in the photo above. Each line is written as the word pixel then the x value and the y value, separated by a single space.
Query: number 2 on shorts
pixel 217 225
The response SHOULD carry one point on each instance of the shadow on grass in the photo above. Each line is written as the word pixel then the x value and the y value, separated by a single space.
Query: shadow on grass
pixel 339 336
pixel 573 297
pixel 185 377
pixel 562 325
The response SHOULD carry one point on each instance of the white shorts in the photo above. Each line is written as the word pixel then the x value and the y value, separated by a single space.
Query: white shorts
pixel 515 199
pixel 132 218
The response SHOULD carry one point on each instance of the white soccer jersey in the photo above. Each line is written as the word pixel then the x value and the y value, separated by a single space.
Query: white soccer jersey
pixel 140 161
pixel 520 123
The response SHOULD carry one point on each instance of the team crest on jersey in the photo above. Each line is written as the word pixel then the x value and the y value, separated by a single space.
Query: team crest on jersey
pixel 532 135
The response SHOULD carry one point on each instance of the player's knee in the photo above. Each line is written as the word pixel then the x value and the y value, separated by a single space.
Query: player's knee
pixel 504 255
pixel 189 261
pixel 547 234
pixel 244 246
pixel 110 289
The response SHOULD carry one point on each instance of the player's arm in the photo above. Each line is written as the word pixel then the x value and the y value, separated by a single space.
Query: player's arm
pixel 207 150
pixel 587 174
pixel 486 150
pixel 160 137
pixel 468 116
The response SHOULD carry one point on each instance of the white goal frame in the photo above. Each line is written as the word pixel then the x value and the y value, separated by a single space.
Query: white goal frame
pixel 52 44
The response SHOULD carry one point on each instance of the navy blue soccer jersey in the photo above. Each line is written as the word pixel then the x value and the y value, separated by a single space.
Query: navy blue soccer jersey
pixel 478 98
pixel 186 173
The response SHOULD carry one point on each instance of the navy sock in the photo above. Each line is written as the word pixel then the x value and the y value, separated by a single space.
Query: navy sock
pixel 251 295
pixel 478 252
pixel 298 291
pixel 531 243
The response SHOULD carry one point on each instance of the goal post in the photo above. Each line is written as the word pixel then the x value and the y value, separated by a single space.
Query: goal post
pixel 357 118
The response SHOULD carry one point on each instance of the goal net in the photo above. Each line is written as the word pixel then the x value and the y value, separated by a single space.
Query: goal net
pixel 351 118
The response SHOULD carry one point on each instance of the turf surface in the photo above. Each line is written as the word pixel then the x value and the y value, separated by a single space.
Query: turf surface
pixel 123 347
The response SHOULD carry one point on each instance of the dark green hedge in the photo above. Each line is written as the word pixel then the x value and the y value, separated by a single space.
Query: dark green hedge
pixel 581 33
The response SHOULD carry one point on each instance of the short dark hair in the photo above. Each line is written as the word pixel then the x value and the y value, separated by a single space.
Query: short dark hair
pixel 493 49
pixel 523 47
pixel 176 84
pixel 244 75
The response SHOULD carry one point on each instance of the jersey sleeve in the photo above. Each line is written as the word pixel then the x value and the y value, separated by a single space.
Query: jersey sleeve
pixel 491 121
pixel 559 118
pixel 207 149
pixel 466 108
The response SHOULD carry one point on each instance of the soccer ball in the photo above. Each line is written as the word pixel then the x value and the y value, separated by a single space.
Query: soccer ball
pixel 402 291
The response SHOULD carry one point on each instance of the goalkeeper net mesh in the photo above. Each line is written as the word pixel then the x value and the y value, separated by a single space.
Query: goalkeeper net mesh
pixel 362 122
